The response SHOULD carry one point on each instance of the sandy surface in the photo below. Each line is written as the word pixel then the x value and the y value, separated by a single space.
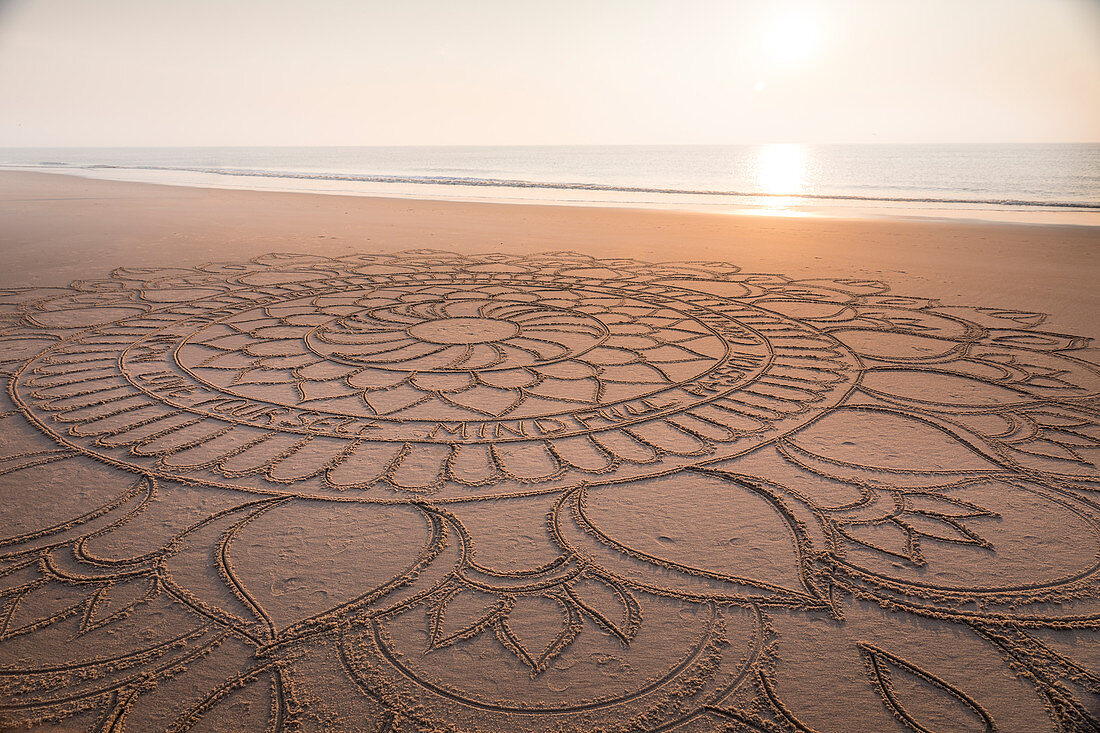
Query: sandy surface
pixel 114 224
pixel 304 462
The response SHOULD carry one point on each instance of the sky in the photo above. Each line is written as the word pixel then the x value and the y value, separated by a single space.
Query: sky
pixel 516 72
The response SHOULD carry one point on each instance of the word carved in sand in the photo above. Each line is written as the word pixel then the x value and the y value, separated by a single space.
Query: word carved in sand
pixel 431 491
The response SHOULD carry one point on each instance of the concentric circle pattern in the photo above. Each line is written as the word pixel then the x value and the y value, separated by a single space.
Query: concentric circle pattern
pixel 450 383
pixel 426 491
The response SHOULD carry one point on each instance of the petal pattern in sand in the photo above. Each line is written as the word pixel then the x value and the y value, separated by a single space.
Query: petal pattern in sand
pixel 425 490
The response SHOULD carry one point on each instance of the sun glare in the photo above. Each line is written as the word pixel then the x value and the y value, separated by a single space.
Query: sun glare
pixel 793 37
pixel 779 169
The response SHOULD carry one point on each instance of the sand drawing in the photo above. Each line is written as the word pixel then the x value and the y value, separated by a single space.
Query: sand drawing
pixel 429 491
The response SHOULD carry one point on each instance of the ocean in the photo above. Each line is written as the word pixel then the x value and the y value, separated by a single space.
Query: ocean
pixel 1027 183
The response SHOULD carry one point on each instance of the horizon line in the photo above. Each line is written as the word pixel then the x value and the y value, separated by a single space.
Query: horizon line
pixel 540 145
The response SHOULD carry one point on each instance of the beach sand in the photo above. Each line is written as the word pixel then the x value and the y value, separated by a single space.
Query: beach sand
pixel 307 462
pixel 112 224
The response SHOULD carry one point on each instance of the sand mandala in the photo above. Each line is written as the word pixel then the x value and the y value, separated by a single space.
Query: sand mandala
pixel 425 491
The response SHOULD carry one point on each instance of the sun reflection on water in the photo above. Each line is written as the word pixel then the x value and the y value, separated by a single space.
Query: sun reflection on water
pixel 780 171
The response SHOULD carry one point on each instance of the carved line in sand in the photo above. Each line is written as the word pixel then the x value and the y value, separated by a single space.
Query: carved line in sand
pixel 236 394
pixel 547 491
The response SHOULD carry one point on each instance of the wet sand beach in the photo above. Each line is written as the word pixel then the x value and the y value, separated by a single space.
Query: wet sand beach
pixel 279 461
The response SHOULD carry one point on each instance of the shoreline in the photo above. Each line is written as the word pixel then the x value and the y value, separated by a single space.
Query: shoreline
pixel 62 228
pixel 531 193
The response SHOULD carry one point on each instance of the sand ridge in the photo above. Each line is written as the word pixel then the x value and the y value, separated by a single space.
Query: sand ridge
pixel 429 490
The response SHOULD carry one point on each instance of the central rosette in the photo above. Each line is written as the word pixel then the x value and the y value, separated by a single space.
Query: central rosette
pixel 456 362
pixel 455 331
pixel 463 331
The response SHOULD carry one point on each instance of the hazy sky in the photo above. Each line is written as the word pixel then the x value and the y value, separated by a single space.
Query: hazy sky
pixel 329 72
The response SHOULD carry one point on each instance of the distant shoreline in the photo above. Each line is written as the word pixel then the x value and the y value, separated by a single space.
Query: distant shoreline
pixel 845 207
pixel 1040 184
pixel 466 181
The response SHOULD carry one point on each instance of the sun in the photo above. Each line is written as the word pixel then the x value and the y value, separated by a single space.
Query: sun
pixel 793 37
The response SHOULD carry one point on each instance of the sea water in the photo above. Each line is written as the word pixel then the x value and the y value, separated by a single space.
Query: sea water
pixel 1037 183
